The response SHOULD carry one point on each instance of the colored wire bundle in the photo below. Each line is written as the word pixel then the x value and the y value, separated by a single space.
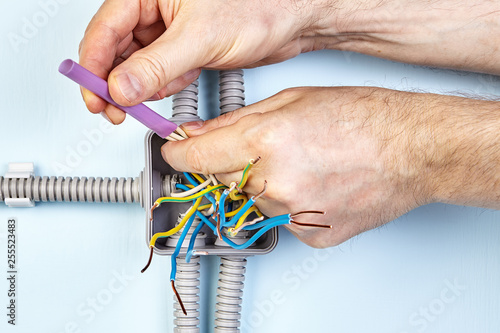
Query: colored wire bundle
pixel 225 210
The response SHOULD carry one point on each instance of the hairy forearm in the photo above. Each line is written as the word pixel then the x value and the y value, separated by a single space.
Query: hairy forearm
pixel 447 146
pixel 469 153
pixel 454 34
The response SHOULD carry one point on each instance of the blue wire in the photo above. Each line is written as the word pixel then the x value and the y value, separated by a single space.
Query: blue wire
pixel 242 211
pixel 222 212
pixel 252 239
pixel 192 240
pixel 267 222
pixel 190 179
pixel 187 226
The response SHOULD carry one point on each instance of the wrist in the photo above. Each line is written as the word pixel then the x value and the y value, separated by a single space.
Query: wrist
pixel 467 159
pixel 445 148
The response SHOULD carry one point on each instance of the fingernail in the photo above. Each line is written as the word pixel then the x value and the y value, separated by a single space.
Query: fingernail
pixel 105 116
pixel 155 97
pixel 129 86
pixel 192 125
pixel 192 74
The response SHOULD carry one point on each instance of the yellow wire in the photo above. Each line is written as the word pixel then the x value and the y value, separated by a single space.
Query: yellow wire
pixel 207 206
pixel 198 177
pixel 235 195
pixel 243 180
pixel 234 212
pixel 246 172
pixel 172 231
pixel 191 197
pixel 217 196
pixel 245 215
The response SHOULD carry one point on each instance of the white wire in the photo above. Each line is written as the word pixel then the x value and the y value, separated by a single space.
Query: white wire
pixel 176 136
pixel 181 132
pixel 213 179
pixel 170 138
pixel 191 191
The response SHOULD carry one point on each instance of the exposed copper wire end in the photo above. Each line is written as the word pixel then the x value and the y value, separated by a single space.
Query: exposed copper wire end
pixel 233 186
pixel 218 228
pixel 325 226
pixel 308 212
pixel 149 261
pixel 151 213
pixel 178 297
pixel 262 192
pixel 258 219
pixel 216 211
pixel 254 161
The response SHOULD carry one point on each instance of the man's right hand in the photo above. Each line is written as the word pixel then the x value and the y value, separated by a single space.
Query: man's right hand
pixel 152 49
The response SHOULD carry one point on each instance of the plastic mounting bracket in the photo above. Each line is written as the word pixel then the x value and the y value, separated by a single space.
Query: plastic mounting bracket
pixel 20 171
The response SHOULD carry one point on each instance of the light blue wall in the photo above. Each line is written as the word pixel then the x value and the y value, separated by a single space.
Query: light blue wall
pixel 436 269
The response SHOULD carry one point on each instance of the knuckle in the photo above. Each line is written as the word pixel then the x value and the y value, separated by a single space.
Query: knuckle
pixel 153 68
pixel 266 134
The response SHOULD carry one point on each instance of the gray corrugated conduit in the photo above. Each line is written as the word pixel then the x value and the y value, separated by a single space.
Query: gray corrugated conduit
pixel 232 269
pixel 185 109
pixel 47 189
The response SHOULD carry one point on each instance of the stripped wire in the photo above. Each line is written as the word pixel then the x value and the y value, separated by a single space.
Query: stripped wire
pixel 246 172
pixel 224 207
pixel 172 231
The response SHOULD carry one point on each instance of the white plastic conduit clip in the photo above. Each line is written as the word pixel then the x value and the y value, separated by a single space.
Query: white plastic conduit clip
pixel 19 171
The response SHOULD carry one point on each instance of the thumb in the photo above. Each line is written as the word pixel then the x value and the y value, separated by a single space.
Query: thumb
pixel 150 69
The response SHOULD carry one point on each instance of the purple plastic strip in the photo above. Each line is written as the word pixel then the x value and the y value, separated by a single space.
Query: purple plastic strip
pixel 98 86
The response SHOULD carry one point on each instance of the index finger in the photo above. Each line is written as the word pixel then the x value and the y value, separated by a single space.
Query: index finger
pixel 108 30
pixel 222 150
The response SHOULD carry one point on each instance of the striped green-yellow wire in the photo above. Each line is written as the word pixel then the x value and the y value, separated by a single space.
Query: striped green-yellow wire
pixel 189 213
pixel 244 177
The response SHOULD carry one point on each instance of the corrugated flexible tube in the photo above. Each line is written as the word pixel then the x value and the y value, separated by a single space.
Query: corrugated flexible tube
pixel 185 109
pixel 232 268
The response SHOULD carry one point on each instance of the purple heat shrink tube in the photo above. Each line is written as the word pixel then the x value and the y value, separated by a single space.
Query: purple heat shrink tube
pixel 98 86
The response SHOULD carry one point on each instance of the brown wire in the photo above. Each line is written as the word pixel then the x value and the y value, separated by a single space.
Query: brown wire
pixel 255 160
pixel 308 212
pixel 262 192
pixel 151 214
pixel 178 297
pixel 326 226
pixel 149 261
pixel 218 227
